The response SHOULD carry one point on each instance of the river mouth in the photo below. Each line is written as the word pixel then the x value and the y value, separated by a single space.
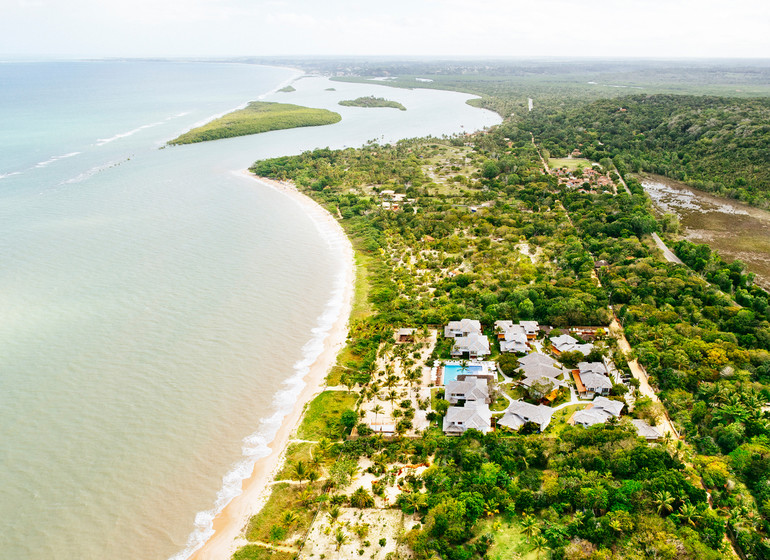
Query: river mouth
pixel 734 229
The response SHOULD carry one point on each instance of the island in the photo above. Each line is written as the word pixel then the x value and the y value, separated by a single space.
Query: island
pixel 287 89
pixel 371 101
pixel 258 116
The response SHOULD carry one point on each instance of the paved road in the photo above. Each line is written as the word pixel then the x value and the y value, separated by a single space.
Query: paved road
pixel 668 253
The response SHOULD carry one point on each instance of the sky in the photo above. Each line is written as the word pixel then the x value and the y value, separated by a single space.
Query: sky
pixel 431 28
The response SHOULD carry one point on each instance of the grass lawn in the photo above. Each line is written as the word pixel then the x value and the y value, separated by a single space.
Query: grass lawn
pixel 569 163
pixel 560 417
pixel 510 542
pixel 500 404
pixel 323 413
pixel 284 498
pixel 294 452
pixel 516 391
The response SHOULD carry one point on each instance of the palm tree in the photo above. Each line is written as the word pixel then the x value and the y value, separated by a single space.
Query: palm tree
pixel 689 513
pixel 392 396
pixel 312 476
pixel 539 544
pixel 289 518
pixel 377 409
pixel 334 514
pixel 529 526
pixel 340 539
pixel 663 501
pixel 300 471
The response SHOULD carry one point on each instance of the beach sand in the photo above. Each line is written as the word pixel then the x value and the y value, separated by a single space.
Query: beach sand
pixel 229 524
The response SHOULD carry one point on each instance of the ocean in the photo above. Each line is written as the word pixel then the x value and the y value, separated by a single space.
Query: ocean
pixel 157 306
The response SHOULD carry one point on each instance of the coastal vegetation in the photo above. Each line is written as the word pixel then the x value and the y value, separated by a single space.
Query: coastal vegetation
pixel 371 102
pixel 257 117
pixel 481 231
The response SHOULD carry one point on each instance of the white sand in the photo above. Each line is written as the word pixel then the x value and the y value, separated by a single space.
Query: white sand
pixel 229 524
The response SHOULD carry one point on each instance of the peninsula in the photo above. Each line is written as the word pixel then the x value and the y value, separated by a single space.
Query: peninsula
pixel 257 117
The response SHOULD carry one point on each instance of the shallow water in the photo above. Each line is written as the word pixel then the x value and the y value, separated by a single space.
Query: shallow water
pixel 156 306
pixel 736 230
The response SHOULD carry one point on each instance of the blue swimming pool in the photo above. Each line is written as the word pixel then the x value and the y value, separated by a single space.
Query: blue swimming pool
pixel 451 371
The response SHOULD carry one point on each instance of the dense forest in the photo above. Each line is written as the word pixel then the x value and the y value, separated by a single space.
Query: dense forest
pixel 721 145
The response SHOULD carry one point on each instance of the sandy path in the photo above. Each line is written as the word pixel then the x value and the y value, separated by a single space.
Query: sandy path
pixel 229 524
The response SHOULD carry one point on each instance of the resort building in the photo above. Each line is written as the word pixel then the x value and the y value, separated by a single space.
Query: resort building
pixel 520 412
pixel 513 338
pixel 465 327
pixel 598 412
pixel 592 367
pixel 404 335
pixel 565 343
pixel 531 328
pixel 646 431
pixel 474 344
pixel 591 384
pixel 537 358
pixel 472 415
pixel 472 389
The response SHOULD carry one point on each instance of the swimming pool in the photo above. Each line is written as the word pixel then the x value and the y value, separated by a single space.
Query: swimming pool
pixel 451 371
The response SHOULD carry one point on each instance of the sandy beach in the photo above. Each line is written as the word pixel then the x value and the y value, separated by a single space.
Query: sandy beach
pixel 229 523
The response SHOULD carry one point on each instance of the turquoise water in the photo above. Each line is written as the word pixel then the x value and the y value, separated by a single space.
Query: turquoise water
pixel 451 371
pixel 158 306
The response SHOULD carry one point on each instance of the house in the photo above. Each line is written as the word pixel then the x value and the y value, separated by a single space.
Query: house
pixel 465 327
pixel 404 335
pixel 472 415
pixel 565 343
pixel 512 337
pixel 591 384
pixel 598 412
pixel 531 328
pixel 383 429
pixel 541 373
pixel 646 431
pixel 537 358
pixel 592 367
pixel 475 345
pixel 471 389
pixel 520 412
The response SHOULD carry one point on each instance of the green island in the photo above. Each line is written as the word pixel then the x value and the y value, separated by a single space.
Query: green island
pixel 287 89
pixel 527 374
pixel 372 101
pixel 257 117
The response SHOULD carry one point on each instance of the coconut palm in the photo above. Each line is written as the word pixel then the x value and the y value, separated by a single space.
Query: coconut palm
pixel 340 539
pixel 289 518
pixel 539 544
pixel 334 514
pixel 300 471
pixel 529 526
pixel 377 409
pixel 663 501
pixel 689 513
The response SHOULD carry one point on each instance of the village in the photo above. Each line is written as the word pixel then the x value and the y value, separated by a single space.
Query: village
pixel 414 390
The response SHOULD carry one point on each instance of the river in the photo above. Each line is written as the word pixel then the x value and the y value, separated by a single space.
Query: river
pixel 736 230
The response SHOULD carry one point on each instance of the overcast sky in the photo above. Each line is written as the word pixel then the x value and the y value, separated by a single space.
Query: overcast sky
pixel 597 28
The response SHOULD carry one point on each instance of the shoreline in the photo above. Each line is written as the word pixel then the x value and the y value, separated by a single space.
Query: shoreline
pixel 228 525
